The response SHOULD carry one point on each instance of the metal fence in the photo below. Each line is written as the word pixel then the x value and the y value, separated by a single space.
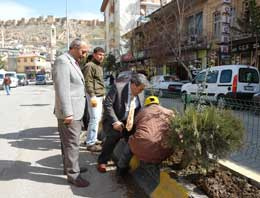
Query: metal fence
pixel 247 111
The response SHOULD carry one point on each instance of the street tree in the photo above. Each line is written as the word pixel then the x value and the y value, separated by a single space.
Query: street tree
pixel 2 63
pixel 249 24
pixel 110 62
pixel 164 34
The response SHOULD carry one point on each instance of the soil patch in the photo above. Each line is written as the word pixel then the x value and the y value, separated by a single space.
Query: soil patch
pixel 218 182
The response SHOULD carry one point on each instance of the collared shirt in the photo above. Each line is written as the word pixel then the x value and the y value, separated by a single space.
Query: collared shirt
pixel 76 62
pixel 137 103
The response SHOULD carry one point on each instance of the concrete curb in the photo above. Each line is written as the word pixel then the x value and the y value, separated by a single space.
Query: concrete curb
pixel 158 183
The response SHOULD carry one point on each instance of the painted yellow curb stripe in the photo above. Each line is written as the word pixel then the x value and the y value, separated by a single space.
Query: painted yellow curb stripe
pixel 134 163
pixel 169 188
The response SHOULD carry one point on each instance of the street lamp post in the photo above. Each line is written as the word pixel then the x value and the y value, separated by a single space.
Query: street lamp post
pixel 67 26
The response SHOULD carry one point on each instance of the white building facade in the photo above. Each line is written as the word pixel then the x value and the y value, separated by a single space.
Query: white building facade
pixel 122 16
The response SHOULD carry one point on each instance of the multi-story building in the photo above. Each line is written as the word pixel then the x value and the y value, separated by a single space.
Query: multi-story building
pixel 120 17
pixel 32 64
pixel 198 34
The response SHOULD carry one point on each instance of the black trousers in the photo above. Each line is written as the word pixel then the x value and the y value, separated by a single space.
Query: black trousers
pixel 112 138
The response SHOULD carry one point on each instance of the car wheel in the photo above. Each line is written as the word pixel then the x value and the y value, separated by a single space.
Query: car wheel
pixel 183 96
pixel 221 103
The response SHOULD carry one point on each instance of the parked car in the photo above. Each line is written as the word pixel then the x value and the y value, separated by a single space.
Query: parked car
pixel 165 84
pixel 40 79
pixel 217 83
pixel 22 79
pixel 13 77
pixel 49 82
pixel 123 77
pixel 256 98
pixel 31 81
pixel 1 80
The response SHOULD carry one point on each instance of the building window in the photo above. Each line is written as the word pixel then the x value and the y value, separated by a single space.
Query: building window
pixel 25 60
pixel 216 24
pixel 190 25
pixel 32 59
pixel 199 23
pixel 195 24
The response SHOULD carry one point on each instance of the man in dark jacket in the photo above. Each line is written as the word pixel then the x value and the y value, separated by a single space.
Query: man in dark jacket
pixel 116 113
pixel 95 89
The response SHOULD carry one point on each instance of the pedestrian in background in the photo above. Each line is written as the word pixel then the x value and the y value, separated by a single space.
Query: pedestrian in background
pixel 7 83
pixel 69 108
pixel 120 106
pixel 95 89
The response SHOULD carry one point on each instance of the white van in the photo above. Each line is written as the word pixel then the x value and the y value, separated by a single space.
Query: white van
pixel 2 75
pixel 13 77
pixel 235 81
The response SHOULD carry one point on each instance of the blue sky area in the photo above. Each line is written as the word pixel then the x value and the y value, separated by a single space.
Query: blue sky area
pixel 78 9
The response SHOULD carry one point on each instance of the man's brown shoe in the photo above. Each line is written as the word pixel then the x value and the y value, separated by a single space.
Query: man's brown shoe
pixel 102 168
pixel 82 170
pixel 79 182
pixel 94 148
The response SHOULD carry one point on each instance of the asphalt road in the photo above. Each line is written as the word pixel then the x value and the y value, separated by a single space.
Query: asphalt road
pixel 30 161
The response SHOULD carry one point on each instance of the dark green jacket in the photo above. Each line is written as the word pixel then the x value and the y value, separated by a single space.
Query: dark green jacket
pixel 94 82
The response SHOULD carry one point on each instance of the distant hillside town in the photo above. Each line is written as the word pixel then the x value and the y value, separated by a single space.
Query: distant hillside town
pixel 45 37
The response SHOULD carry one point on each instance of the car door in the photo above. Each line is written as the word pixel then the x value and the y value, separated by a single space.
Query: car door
pixel 211 86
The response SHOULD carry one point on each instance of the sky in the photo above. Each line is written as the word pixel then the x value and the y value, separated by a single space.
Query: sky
pixel 77 9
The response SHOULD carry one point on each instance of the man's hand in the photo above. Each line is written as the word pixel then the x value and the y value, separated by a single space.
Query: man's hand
pixel 93 102
pixel 118 126
pixel 68 120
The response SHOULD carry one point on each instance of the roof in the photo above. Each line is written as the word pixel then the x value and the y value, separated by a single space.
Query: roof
pixel 104 5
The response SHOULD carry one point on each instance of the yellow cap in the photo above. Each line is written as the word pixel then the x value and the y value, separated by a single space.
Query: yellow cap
pixel 151 100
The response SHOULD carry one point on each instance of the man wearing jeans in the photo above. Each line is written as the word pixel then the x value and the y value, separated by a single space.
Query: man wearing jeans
pixel 95 88
pixel 7 82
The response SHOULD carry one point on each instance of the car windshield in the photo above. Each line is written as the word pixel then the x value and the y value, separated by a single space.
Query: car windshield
pixel 248 75
pixel 10 74
pixel 1 76
pixel 20 77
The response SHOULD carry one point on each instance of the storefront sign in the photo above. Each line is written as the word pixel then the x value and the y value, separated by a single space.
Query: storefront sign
pixel 245 47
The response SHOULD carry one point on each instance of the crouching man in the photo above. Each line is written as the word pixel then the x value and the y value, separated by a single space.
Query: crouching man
pixel 149 142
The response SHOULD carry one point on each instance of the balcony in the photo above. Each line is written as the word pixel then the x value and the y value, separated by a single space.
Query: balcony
pixel 149 3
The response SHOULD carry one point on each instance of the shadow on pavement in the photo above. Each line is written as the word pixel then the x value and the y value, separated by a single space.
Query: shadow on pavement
pixel 25 170
pixel 49 169
pixel 32 105
pixel 46 138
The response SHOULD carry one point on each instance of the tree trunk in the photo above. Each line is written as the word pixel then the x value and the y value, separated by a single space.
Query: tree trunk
pixel 256 52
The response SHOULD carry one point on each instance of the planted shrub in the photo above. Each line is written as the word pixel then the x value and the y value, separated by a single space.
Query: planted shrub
pixel 205 135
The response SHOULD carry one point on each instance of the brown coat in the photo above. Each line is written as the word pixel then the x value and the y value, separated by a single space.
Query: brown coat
pixel 7 80
pixel 149 143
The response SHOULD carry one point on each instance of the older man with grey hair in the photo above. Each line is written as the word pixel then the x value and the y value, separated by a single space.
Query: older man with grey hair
pixel 69 89
pixel 120 107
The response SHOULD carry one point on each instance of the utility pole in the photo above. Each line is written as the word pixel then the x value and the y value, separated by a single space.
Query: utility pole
pixel 3 38
pixel 67 26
